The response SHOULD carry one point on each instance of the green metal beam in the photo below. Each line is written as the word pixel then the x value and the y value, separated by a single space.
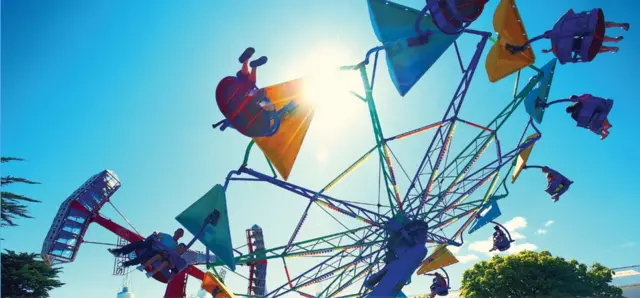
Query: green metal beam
pixel 390 183
pixel 278 252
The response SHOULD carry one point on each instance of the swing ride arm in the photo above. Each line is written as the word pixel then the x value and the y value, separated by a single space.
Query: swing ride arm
pixel 315 246
pixel 441 141
pixel 333 264
pixel 365 215
pixel 472 152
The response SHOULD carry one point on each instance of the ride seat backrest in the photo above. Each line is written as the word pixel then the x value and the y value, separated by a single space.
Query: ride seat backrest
pixel 600 114
pixel 565 30
pixel 586 112
pixel 587 23
pixel 593 113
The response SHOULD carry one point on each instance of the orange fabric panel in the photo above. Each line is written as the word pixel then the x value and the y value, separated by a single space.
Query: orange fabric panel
pixel 508 24
pixel 282 148
pixel 523 157
pixel 210 282
pixel 440 258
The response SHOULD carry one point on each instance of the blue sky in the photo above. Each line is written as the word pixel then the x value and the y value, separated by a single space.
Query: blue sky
pixel 130 87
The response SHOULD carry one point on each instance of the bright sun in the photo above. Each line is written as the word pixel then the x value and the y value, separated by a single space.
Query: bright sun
pixel 329 89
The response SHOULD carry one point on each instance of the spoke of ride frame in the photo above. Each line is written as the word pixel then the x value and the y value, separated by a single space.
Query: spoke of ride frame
pixel 336 269
pixel 441 137
pixel 337 281
pixel 319 275
pixel 455 105
pixel 326 188
pixel 356 276
pixel 299 225
pixel 362 287
pixel 488 137
pixel 247 152
pixel 302 248
pixel 493 167
pixel 365 215
pixel 387 169
pixel 322 265
pixel 497 122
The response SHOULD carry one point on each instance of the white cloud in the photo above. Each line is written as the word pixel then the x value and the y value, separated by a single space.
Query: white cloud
pixel 516 223
pixel 516 248
pixel 516 235
pixel 454 249
pixel 541 231
pixel 467 258
pixel 481 246
pixel 548 223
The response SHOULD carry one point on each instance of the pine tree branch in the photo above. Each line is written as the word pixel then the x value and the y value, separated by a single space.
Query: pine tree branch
pixel 16 197
pixel 8 180
pixel 8 159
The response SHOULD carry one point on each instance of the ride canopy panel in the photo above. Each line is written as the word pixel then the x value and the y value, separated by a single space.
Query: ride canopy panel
pixel 501 61
pixel 214 234
pixel 408 56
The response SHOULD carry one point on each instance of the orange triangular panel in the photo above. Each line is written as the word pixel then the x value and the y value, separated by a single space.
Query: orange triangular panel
pixel 441 257
pixel 521 161
pixel 210 283
pixel 282 148
pixel 508 24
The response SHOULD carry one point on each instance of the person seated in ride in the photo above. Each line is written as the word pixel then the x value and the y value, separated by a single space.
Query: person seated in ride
pixel 577 40
pixel 499 238
pixel 170 260
pixel 439 284
pixel 148 246
pixel 244 75
pixel 551 175
pixel 575 109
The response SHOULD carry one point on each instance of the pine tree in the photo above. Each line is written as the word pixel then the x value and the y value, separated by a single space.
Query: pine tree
pixel 27 275
pixel 13 205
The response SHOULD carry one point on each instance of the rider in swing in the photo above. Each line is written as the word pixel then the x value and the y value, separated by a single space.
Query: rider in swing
pixel 498 238
pixel 244 75
pixel 577 41
pixel 575 108
pixel 439 283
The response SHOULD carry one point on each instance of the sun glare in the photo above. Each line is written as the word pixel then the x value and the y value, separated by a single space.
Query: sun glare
pixel 329 89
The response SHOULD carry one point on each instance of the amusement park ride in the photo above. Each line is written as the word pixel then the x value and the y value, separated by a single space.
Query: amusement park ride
pixel 390 246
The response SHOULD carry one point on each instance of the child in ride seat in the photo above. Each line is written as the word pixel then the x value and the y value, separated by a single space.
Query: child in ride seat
pixel 439 282
pixel 170 260
pixel 575 108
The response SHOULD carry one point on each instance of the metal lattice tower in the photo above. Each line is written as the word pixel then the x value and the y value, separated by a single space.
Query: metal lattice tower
pixel 118 269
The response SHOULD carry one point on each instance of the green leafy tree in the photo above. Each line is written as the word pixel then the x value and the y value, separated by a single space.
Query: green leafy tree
pixel 532 274
pixel 13 205
pixel 26 275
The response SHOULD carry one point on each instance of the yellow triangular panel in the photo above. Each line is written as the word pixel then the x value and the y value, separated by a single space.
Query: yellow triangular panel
pixel 282 148
pixel 508 24
pixel 522 159
pixel 210 283
pixel 441 257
